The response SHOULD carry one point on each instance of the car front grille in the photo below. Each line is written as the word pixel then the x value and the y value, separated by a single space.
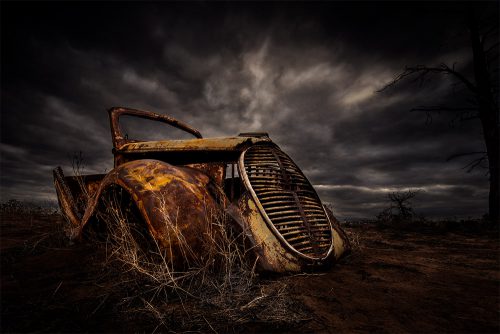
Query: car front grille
pixel 288 201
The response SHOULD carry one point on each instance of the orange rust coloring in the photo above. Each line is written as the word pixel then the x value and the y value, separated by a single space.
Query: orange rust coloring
pixel 177 184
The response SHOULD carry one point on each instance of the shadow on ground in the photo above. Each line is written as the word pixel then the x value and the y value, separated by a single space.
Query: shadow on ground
pixel 394 281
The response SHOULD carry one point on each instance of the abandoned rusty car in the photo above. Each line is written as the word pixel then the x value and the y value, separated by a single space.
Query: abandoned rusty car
pixel 248 177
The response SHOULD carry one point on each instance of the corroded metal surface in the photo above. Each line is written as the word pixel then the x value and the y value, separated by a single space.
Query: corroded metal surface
pixel 287 201
pixel 174 201
pixel 216 170
pixel 65 198
pixel 116 112
pixel 341 243
pixel 193 145
pixel 271 255
pixel 178 185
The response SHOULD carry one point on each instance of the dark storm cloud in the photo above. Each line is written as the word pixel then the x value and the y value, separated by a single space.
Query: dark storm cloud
pixel 307 74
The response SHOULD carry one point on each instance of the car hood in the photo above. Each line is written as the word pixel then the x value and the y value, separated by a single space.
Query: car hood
pixel 197 144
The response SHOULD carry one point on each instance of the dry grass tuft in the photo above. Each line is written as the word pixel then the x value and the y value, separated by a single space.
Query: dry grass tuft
pixel 355 239
pixel 213 291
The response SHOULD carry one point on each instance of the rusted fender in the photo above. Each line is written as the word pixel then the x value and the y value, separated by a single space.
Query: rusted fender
pixel 65 198
pixel 271 254
pixel 171 199
pixel 341 244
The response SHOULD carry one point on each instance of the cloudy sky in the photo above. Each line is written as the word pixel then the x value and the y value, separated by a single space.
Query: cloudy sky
pixel 307 74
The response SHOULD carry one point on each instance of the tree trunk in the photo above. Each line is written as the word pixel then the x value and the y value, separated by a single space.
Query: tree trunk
pixel 488 114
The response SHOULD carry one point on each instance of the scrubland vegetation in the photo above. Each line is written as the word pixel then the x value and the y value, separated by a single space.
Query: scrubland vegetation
pixel 402 276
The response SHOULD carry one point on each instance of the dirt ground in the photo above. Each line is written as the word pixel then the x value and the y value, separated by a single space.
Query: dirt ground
pixel 394 281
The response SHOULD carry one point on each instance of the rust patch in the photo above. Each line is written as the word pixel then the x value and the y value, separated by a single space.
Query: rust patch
pixel 216 170
pixel 65 198
pixel 193 145
pixel 178 185
pixel 170 199
pixel 116 112
pixel 272 256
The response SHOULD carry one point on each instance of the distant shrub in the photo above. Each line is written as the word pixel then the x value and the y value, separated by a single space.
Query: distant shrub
pixel 16 207
pixel 400 210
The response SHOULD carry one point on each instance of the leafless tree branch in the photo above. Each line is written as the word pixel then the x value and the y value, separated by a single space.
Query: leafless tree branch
pixel 443 108
pixel 422 71
pixel 474 163
pixel 492 47
pixel 463 113
pixel 458 155
pixel 490 31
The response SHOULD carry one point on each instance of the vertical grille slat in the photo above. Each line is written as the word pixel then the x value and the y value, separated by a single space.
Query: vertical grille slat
pixel 290 203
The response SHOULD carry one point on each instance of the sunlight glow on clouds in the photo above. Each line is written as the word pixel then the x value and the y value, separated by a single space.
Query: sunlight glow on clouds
pixel 311 84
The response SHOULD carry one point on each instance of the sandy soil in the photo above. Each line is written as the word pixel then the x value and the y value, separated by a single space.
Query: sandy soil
pixel 394 281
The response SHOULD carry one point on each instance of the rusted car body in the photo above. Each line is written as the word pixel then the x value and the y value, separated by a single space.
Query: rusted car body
pixel 182 182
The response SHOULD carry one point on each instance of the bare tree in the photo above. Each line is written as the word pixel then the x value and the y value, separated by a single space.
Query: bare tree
pixel 483 90
pixel 400 209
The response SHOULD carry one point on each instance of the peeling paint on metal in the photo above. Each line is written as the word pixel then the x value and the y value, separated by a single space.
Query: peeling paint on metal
pixel 173 196
pixel 204 144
